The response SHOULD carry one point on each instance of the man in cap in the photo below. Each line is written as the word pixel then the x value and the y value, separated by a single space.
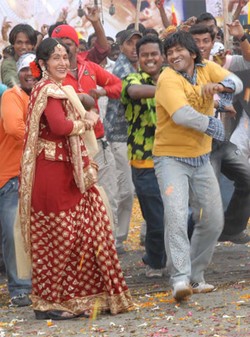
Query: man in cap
pixel 14 108
pixel 101 46
pixel 3 87
pixel 116 133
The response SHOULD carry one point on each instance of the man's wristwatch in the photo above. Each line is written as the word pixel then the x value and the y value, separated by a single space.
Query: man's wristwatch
pixel 243 38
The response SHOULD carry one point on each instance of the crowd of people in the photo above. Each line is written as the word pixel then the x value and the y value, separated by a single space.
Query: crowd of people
pixel 86 126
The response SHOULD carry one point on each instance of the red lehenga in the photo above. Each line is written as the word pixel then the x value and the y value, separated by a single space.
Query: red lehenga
pixel 68 234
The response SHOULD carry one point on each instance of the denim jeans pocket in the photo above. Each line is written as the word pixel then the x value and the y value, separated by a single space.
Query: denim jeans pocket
pixel 10 186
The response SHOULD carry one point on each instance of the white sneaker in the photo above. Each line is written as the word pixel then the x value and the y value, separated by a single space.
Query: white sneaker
pixel 181 290
pixel 202 287
pixel 150 272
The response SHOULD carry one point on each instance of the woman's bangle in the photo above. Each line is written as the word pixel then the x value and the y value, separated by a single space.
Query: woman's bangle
pixel 78 128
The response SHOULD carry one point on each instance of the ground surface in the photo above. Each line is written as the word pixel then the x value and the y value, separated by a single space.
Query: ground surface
pixel 222 313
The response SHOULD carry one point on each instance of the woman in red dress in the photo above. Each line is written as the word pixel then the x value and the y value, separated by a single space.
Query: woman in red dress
pixel 64 222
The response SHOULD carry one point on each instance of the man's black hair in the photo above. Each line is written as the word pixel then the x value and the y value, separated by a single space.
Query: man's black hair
pixel 185 40
pixel 220 34
pixel 148 39
pixel 206 17
pixel 52 27
pixel 151 31
pixel 25 29
pixel 141 27
pixel 91 36
pixel 111 39
pixel 198 29
pixel 9 50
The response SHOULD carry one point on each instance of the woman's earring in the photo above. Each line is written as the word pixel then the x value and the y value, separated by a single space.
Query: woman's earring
pixel 44 72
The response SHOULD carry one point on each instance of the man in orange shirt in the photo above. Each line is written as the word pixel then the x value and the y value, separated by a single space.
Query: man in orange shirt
pixel 14 106
pixel 3 87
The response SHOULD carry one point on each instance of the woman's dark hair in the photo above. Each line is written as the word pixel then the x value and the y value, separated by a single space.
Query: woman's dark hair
pixel 198 29
pixel 25 29
pixel 46 48
pixel 148 39
pixel 185 40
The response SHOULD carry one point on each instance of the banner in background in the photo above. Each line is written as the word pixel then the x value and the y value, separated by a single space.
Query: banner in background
pixel 36 13
pixel 215 7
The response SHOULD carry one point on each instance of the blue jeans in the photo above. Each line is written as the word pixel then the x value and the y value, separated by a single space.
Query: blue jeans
pixel 180 183
pixel 8 208
pixel 2 266
pixel 149 196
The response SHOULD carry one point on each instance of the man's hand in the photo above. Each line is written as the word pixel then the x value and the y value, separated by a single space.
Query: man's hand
pixel 92 13
pixel 159 3
pixel 229 109
pixel 91 117
pixel 235 29
pixel 220 57
pixel 96 93
pixel 63 15
pixel 242 3
pixel 6 25
pixel 190 21
pixel 44 29
pixel 210 89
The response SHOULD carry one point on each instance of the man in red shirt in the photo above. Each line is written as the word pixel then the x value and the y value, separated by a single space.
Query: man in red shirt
pixel 84 76
pixel 100 48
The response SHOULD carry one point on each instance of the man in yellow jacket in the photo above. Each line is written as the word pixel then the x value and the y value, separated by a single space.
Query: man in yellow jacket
pixel 184 131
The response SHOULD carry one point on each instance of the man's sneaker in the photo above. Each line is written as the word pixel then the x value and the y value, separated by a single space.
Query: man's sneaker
pixel 202 287
pixel 182 290
pixel 150 272
pixel 239 239
pixel 21 300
